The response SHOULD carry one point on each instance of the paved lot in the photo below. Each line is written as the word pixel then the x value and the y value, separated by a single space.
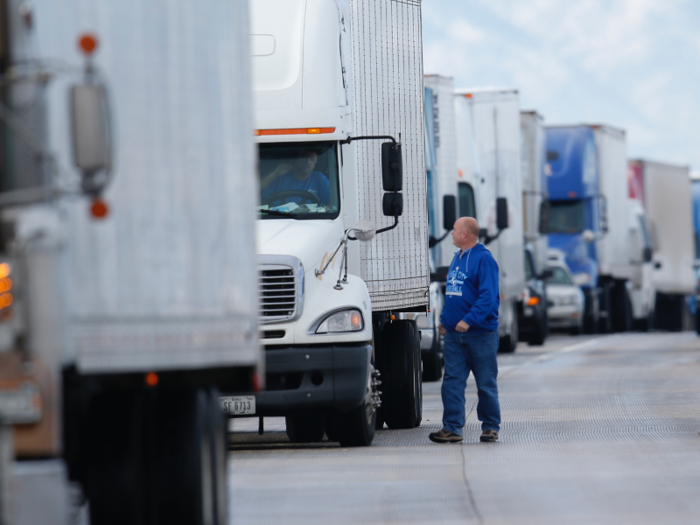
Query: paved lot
pixel 595 431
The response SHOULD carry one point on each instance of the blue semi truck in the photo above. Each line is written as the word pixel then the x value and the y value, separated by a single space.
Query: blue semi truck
pixel 591 220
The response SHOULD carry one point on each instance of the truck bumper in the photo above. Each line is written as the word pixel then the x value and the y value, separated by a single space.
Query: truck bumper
pixel 314 377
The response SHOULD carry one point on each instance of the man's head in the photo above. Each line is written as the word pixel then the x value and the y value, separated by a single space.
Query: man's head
pixel 305 164
pixel 465 233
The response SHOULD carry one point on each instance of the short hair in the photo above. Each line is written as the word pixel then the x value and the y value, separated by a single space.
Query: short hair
pixel 306 152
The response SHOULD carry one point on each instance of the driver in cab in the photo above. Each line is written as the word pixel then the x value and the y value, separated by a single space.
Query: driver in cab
pixel 289 181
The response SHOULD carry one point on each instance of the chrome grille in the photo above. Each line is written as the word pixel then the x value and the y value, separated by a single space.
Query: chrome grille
pixel 279 292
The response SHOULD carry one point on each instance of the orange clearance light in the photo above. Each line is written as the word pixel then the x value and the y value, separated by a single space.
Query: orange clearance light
pixel 392 317
pixel 533 301
pixel 468 95
pixel 5 300
pixel 88 43
pixel 5 284
pixel 294 131
pixel 152 379
pixel 99 209
pixel 4 270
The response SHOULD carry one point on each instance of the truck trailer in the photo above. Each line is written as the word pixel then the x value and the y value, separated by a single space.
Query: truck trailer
pixel 666 194
pixel 590 222
pixel 127 254
pixel 342 233
pixel 489 185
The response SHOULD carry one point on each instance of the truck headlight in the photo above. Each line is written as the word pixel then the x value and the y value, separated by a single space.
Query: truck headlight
pixel 343 321
pixel 582 279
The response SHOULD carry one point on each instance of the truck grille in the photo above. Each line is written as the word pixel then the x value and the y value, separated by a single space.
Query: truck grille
pixel 280 292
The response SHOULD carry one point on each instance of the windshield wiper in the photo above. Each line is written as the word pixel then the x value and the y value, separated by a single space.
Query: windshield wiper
pixel 280 213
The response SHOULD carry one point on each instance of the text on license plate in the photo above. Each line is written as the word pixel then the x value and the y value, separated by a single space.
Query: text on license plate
pixel 238 405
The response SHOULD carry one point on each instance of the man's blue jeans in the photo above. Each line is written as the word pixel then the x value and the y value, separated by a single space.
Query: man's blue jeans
pixel 475 352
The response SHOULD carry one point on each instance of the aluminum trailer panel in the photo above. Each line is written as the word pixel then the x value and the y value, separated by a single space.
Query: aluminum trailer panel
pixel 534 154
pixel 386 90
pixel 446 153
pixel 613 254
pixel 495 118
pixel 168 279
pixel 667 198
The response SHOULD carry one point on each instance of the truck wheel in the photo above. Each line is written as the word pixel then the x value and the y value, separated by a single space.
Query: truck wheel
pixel 188 448
pixel 621 308
pixel 432 364
pixel 539 333
pixel 509 343
pixel 114 478
pixel 605 322
pixel 356 427
pixel 307 427
pixel 591 316
pixel 399 362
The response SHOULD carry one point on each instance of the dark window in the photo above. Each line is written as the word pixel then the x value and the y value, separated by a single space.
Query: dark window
pixel 467 208
pixel 529 267
pixel 566 217
pixel 552 156
pixel 559 276
pixel 300 179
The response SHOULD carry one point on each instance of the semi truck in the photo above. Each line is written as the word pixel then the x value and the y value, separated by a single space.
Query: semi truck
pixel 589 220
pixel 532 310
pixel 441 165
pixel 490 189
pixel 665 192
pixel 127 257
pixel 342 233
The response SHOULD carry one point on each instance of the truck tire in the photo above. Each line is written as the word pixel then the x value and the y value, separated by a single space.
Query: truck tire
pixel 508 344
pixel 591 315
pixel 621 307
pixel 539 333
pixel 188 469
pixel 432 363
pixel 307 427
pixel 605 321
pixel 356 427
pixel 399 362
pixel 669 312
pixel 114 481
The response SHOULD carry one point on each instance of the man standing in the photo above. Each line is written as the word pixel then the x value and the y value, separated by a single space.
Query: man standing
pixel 469 323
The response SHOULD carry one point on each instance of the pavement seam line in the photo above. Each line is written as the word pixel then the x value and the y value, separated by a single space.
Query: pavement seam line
pixel 470 494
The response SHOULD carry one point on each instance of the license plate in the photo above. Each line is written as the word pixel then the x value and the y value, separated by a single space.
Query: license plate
pixel 238 405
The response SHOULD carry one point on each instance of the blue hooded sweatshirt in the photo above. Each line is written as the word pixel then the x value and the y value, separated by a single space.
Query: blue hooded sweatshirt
pixel 472 293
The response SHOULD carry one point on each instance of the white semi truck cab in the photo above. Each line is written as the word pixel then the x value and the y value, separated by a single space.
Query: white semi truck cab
pixel 342 233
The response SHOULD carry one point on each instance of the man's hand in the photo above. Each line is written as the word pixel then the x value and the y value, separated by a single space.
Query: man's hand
pixel 442 329
pixel 462 326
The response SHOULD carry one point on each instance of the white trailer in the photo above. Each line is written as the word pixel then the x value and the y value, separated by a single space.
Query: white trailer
pixel 666 195
pixel 120 321
pixel 442 194
pixel 534 153
pixel 343 243
pixel 489 164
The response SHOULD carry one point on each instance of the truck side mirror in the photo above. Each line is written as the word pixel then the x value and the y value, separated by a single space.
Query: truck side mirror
pixel 546 274
pixel 392 167
pixel 392 204
pixel 647 254
pixel 92 147
pixel 449 211
pixel 544 217
pixel 483 233
pixel 440 275
pixel 501 213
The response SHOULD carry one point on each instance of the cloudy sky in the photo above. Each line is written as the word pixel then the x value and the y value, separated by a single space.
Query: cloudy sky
pixel 634 64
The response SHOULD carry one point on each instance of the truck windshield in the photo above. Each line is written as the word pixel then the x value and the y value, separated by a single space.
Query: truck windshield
pixel 566 217
pixel 299 179
pixel 466 200
pixel 559 276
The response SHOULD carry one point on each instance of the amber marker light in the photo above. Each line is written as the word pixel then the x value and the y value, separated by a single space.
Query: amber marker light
pixel 5 284
pixel 294 131
pixel 533 301
pixel 5 300
pixel 88 43
pixel 468 95
pixel 4 270
pixel 152 379
pixel 99 209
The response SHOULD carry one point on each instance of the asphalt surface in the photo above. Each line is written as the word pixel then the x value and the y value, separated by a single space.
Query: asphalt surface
pixel 601 430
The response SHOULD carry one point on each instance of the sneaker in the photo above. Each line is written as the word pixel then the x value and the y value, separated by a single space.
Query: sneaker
pixel 445 436
pixel 489 436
